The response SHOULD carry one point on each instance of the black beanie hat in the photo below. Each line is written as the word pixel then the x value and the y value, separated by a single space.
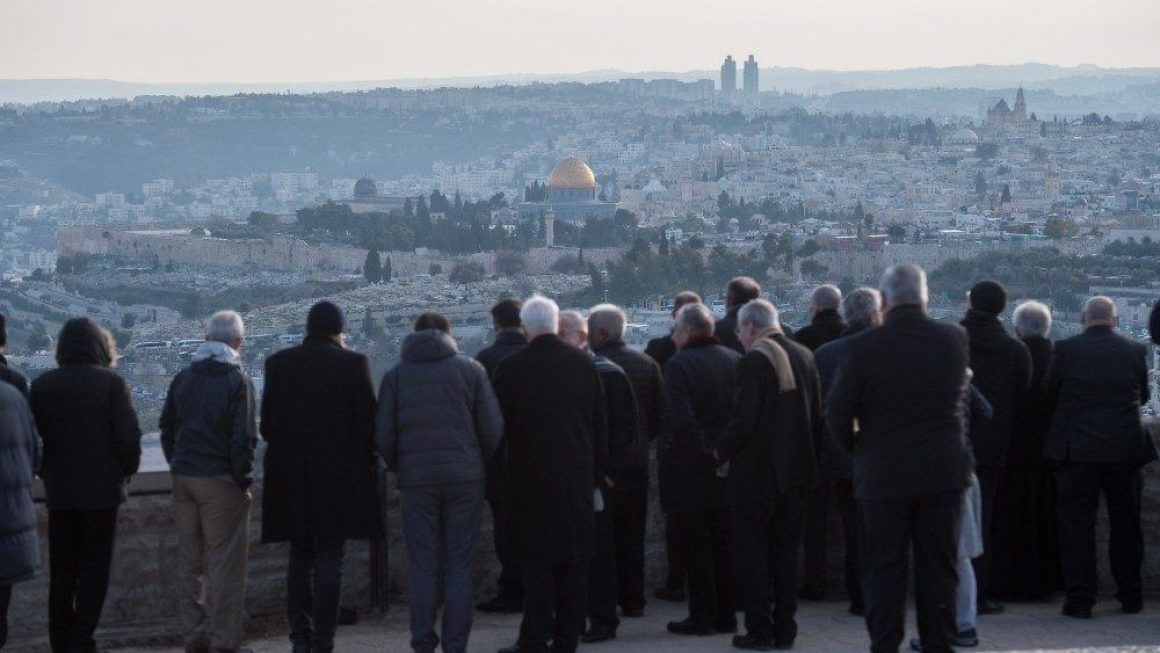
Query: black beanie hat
pixel 325 319
pixel 989 297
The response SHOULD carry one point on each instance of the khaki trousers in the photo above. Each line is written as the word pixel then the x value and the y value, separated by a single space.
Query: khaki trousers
pixel 212 516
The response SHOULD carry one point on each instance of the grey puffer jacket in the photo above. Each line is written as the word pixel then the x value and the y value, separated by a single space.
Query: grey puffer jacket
pixel 438 420
pixel 19 459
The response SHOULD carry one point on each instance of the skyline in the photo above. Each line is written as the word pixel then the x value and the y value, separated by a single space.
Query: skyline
pixel 356 40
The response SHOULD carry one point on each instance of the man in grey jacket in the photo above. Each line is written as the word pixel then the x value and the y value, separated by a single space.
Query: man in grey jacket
pixel 438 426
pixel 208 434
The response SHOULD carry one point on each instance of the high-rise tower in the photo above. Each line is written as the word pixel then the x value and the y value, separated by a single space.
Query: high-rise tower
pixel 749 77
pixel 1019 113
pixel 728 77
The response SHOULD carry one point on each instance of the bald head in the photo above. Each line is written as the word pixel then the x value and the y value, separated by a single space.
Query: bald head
pixel 573 328
pixel 1099 311
pixel 825 298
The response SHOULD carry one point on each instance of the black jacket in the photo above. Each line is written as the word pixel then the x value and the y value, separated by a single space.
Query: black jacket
pixel 1097 382
pixel 318 418
pixel 506 343
pixel 438 420
pixel 12 377
pixel 772 440
pixel 1033 414
pixel 826 326
pixel 661 349
pixel 725 330
pixel 645 376
pixel 699 385
pixel 620 416
pixel 1002 367
pixel 19 459
pixel 557 448
pixel 209 422
pixel 904 383
pixel 92 442
pixel 833 458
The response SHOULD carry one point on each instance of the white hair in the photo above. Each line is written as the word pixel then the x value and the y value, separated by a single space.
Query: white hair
pixel 904 284
pixel 695 318
pixel 540 315
pixel 609 317
pixel 1033 319
pixel 571 322
pixel 1101 308
pixel 827 297
pixel 860 305
pixel 758 312
pixel 225 326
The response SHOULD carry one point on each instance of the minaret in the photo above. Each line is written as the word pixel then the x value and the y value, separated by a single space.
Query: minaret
pixel 1020 112
pixel 549 227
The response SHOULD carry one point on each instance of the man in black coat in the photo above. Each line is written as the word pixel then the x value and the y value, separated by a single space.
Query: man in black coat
pixel 863 310
pixel 509 338
pixel 7 374
pixel 318 418
pixel 676 544
pixel 699 385
pixel 19 460
pixel 825 325
pixel 553 407
pixel 1002 367
pixel 903 383
pixel 771 449
pixel 1098 381
pixel 739 291
pixel 606 326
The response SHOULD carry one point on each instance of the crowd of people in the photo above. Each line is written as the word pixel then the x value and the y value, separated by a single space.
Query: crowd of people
pixel 980 454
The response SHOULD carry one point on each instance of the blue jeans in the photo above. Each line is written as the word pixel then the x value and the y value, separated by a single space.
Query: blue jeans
pixel 441 522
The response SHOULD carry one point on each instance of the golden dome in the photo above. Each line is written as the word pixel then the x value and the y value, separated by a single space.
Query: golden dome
pixel 572 173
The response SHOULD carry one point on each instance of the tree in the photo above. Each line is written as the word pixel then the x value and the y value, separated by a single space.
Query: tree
pixel 434 269
pixel 896 232
pixel 510 264
pixel 859 211
pixel 720 168
pixel 809 248
pixel 371 328
pixel 1058 228
pixel 1006 196
pixel 987 150
pixel 373 267
pixel 128 320
pixel 723 201
pixel 813 270
pixel 663 248
pixel 388 273
pixel 467 272
pixel 980 183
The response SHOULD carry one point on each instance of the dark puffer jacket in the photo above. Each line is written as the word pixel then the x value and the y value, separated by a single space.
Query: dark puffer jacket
pixel 208 424
pixel 620 416
pixel 12 377
pixel 19 459
pixel 438 420
pixel 645 376
pixel 1002 367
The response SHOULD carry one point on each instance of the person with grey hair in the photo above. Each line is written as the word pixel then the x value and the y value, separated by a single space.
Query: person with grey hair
pixel 1098 380
pixel 1026 540
pixel 902 383
pixel 826 325
pixel 629 509
pixel 862 309
pixel 699 385
pixel 739 292
pixel 208 435
pixel 552 403
pixel 771 446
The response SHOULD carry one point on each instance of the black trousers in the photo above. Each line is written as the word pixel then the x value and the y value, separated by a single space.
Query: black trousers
pixel 554 602
pixel 676 551
pixel 5 599
pixel 815 519
pixel 511 582
pixel 603 574
pixel 842 494
pixel 1078 487
pixel 313 588
pixel 80 552
pixel 989 490
pixel 767 535
pixel 890 528
pixel 629 516
pixel 712 574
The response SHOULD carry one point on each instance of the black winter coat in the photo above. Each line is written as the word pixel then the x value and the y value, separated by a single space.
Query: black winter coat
pixel 506 343
pixel 773 438
pixel 318 418
pixel 661 349
pixel 1097 382
pixel 92 441
pixel 209 422
pixel 826 326
pixel 1002 367
pixel 12 377
pixel 700 382
pixel 19 459
pixel 725 330
pixel 647 383
pixel 1033 415
pixel 834 459
pixel 904 383
pixel 438 420
pixel 557 449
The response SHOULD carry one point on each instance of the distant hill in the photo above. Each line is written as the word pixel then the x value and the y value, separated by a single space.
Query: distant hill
pixel 1074 80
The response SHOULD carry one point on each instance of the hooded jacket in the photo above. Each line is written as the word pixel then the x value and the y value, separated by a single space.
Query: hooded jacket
pixel 19 458
pixel 208 424
pixel 438 420
pixel 1002 367
pixel 84 414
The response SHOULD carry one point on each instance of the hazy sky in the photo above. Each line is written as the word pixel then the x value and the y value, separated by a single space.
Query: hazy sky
pixel 316 40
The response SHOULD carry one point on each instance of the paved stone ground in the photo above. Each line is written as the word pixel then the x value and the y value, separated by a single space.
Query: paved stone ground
pixel 824 628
